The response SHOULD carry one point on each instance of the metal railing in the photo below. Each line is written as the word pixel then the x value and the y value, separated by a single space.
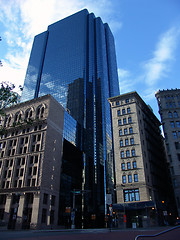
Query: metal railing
pixel 157 234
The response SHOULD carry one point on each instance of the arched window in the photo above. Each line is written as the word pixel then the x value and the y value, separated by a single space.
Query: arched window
pixel 28 114
pixel 17 117
pixel 40 112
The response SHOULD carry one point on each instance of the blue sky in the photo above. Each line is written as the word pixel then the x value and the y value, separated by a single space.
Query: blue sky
pixel 146 32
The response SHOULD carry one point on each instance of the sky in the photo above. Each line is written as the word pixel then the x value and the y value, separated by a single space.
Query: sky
pixel 146 33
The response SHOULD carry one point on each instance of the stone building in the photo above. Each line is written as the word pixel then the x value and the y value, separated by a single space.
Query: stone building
pixel 141 173
pixel 30 163
pixel 169 110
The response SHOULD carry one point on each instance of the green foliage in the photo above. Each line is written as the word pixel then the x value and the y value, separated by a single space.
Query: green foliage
pixel 7 97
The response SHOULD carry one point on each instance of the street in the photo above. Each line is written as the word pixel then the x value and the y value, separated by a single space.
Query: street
pixel 87 234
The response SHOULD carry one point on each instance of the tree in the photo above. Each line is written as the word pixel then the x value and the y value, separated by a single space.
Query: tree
pixel 7 98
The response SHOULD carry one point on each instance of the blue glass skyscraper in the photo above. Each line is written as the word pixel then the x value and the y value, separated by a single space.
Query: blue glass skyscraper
pixel 75 62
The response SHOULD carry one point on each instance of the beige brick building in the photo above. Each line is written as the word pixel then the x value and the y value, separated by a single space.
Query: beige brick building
pixel 140 161
pixel 30 163
pixel 169 110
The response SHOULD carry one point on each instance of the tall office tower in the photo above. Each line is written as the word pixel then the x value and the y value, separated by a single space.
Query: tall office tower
pixel 75 62
pixel 141 171
pixel 169 110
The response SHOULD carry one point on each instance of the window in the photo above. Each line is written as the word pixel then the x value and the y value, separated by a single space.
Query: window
pixel 124 178
pixel 45 198
pixel 178 124
pixel 119 122
pixel 121 143
pixel 130 130
pixel 126 141
pixel 129 120
pixel 177 145
pixel 117 103
pixel 172 124
pixel 127 100
pixel 127 153
pixel 135 178
pixel 120 132
pixel 131 195
pixel 134 164
pixel 174 135
pixel 175 114
pixel 170 114
pixel 128 165
pixel 129 178
pixel 118 113
pixel 133 153
pixel 44 214
pixel 122 166
pixel 124 121
pixel 122 154
pixel 52 217
pixel 125 131
pixel 53 198
pixel 132 141
pixel 123 111
pixel 128 110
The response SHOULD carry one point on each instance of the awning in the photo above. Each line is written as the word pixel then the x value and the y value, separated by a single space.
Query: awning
pixel 132 206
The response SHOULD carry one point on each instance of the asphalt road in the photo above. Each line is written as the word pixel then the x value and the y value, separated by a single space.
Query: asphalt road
pixel 90 234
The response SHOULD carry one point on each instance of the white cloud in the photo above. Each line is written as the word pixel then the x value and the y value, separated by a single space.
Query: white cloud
pixel 126 81
pixel 158 66
pixel 23 19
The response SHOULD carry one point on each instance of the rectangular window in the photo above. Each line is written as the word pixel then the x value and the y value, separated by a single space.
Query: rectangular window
pixel 127 153
pixel 122 154
pixel 130 130
pixel 130 178
pixel 132 141
pixel 178 124
pixel 131 195
pixel 122 166
pixel 133 152
pixel 134 164
pixel 44 215
pixel 45 198
pixel 125 131
pixel 119 122
pixel 124 179
pixel 118 112
pixel 53 198
pixel 123 111
pixel 52 217
pixel 129 120
pixel 174 135
pixel 117 103
pixel 128 110
pixel 124 121
pixel 120 132
pixel 121 143
pixel 172 124
pixel 128 165
pixel 126 141
pixel 127 100
pixel 135 178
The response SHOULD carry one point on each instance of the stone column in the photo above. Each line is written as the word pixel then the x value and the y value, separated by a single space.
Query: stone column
pixel 19 219
pixel 35 218
pixel 7 208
